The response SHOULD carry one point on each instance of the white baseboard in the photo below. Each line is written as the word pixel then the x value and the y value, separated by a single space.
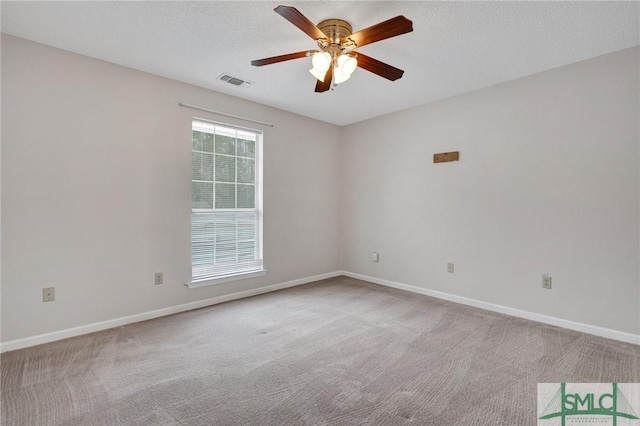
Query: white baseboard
pixel 12 345
pixel 571 325
pixel 117 322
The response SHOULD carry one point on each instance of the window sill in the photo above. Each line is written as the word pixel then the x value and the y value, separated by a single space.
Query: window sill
pixel 226 278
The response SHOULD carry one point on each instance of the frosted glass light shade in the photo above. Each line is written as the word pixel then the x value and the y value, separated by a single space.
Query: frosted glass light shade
pixel 338 77
pixel 321 61
pixel 347 64
pixel 317 74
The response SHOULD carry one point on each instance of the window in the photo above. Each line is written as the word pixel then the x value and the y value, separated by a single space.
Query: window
pixel 226 202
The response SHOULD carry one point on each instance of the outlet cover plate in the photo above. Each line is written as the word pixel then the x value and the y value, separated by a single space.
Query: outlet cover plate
pixel 49 294
pixel 546 281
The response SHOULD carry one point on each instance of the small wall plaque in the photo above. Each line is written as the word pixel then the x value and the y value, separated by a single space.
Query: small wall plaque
pixel 445 157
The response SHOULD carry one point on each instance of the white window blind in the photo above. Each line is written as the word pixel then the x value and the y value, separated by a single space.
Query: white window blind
pixel 226 201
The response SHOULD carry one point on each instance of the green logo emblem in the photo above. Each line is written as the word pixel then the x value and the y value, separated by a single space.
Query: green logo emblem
pixel 613 404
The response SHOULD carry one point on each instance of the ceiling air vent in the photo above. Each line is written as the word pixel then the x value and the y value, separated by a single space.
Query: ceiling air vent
pixel 234 80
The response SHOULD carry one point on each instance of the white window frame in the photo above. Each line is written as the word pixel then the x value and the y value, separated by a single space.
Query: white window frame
pixel 251 269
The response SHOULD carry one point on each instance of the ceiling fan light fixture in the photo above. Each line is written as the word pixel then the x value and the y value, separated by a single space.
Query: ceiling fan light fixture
pixel 321 62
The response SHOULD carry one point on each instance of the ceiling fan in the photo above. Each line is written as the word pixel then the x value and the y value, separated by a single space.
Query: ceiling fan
pixel 336 59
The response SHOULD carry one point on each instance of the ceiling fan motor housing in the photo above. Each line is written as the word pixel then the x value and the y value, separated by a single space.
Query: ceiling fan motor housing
pixel 335 29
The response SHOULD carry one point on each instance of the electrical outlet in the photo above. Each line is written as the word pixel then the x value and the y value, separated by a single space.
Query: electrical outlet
pixel 159 278
pixel 48 294
pixel 450 267
pixel 546 281
pixel 375 256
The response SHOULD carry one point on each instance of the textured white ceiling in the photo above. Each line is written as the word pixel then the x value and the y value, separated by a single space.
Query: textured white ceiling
pixel 455 46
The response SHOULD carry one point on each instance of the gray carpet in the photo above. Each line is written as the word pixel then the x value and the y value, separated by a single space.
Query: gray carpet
pixel 335 352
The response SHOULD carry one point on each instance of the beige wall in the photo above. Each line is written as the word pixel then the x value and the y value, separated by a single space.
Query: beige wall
pixel 96 184
pixel 547 182
pixel 96 176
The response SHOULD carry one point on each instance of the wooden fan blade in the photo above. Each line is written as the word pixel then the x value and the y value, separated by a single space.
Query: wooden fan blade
pixel 380 68
pixel 323 86
pixel 294 16
pixel 281 58
pixel 387 29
